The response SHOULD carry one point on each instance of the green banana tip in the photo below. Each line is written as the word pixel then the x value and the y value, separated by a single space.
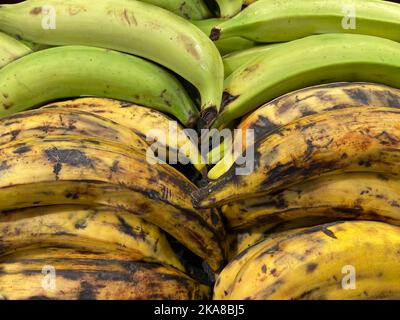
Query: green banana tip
pixel 215 33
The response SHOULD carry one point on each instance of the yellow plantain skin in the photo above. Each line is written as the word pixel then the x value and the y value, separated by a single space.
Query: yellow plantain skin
pixel 140 120
pixel 362 196
pixel 309 264
pixel 351 140
pixel 301 103
pixel 85 228
pixel 83 275
pixel 226 279
pixel 43 123
pixel 118 177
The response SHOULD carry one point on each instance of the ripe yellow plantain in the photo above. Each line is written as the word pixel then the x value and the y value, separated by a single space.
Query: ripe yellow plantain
pixel 43 123
pixel 362 196
pixel 313 264
pixel 85 228
pixel 61 170
pixel 305 102
pixel 351 140
pixel 140 120
pixel 83 275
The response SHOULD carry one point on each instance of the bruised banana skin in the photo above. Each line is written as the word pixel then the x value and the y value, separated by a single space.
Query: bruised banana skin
pixel 305 102
pixel 132 27
pixel 363 196
pixel 351 140
pixel 243 239
pixel 235 60
pixel 60 170
pixel 309 264
pixel 42 123
pixel 229 8
pixel 93 276
pixel 72 71
pixel 11 49
pixel 330 58
pixel 189 9
pixel 267 21
pixel 142 121
pixel 224 46
pixel 85 228
pixel 227 277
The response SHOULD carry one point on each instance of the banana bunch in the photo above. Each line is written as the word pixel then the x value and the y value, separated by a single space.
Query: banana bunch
pixel 339 260
pixel 349 140
pixel 299 104
pixel 72 274
pixel 133 27
pixel 71 71
pixel 157 129
pixel 284 68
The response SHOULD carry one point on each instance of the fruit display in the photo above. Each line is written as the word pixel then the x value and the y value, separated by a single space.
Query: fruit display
pixel 199 150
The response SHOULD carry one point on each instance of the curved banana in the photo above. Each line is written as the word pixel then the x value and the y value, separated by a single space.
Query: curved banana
pixel 189 9
pixel 11 49
pixel 85 228
pixel 330 58
pixel 72 71
pixel 267 21
pixel 229 8
pixel 42 123
pixel 314 263
pixel 61 170
pixel 130 26
pixel 169 134
pixel 304 102
pixel 235 60
pixel 226 279
pixel 350 140
pixel 67 274
pixel 224 46
pixel 362 196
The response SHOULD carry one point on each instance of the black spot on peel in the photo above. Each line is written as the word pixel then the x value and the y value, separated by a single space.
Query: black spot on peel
pixel 4 166
pixel 328 232
pixel 214 218
pixel 215 34
pixel 227 98
pixel 81 224
pixel 87 291
pixel 22 150
pixel 262 127
pixel 127 229
pixel 36 11
pixel 73 157
pixel 311 267
pixel 264 268
pixel 357 94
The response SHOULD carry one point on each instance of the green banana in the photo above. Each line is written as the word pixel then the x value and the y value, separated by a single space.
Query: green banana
pixel 285 20
pixel 224 46
pixel 229 8
pixel 130 26
pixel 306 62
pixel 72 71
pixel 11 49
pixel 235 60
pixel 189 9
